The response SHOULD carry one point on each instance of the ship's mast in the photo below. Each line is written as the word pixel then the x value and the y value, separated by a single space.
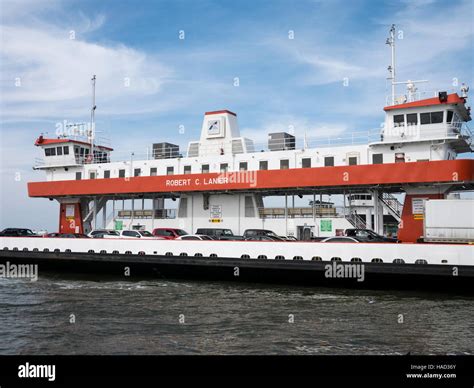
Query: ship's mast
pixel 92 131
pixel 391 69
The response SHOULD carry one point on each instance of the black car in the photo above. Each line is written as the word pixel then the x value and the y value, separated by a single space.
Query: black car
pixel 17 232
pixel 367 235
pixel 250 233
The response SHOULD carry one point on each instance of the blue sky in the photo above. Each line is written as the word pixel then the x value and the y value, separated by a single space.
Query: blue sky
pixel 282 82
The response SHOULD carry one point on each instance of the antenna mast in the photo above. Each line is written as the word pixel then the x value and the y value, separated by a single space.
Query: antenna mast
pixel 391 69
pixel 92 131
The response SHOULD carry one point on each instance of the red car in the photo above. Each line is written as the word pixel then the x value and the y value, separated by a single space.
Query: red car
pixel 169 233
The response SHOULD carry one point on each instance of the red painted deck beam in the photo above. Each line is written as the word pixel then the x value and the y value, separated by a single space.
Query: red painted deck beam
pixel 443 171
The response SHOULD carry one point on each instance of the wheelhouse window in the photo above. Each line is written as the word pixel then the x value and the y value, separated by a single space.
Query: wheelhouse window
pixel 377 158
pixel 121 173
pixel 412 119
pixel 66 150
pixel 306 162
pixel 205 169
pixel 263 165
pixel 50 151
pixel 431 118
pixel 243 166
pixel 153 171
pixel 284 164
pixel 59 150
pixel 328 161
pixel 170 170
pixel 449 117
pixel 398 120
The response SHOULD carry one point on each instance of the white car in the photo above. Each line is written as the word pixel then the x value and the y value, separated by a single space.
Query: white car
pixel 194 237
pixel 340 239
pixel 104 233
pixel 143 234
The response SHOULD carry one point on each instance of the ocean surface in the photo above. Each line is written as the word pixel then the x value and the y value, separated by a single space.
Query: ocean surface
pixel 190 317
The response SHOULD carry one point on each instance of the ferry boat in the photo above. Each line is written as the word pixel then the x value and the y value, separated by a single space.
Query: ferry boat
pixel 224 179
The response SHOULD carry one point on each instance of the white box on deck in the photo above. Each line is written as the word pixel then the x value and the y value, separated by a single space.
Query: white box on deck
pixel 450 219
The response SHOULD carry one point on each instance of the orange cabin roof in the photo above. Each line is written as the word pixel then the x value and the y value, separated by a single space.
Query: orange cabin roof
pixel 42 141
pixel 452 99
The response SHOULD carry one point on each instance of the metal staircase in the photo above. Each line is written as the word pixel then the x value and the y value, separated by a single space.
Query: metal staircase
pixel 392 205
pixel 356 220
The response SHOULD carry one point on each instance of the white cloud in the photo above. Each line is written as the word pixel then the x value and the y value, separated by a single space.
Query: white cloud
pixel 45 73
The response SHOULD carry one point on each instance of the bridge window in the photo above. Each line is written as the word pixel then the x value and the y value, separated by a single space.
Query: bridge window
pixel 263 165
pixel 431 118
pixel 59 150
pixel 377 158
pixel 243 166
pixel 449 118
pixel 187 169
pixel 284 164
pixel 412 119
pixel 170 170
pixel 329 161
pixel 306 162
pixel 205 169
pixel 121 173
pixel 50 151
pixel 399 120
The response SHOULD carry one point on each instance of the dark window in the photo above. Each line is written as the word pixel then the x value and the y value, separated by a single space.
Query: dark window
pixel 306 162
pixel 412 119
pixel 352 160
pixel 449 118
pixel 284 164
pixel 205 169
pixel 92 175
pixel 436 117
pixel 153 171
pixel 121 173
pixel 78 176
pixel 170 170
pixel 187 169
pixel 398 120
pixel 377 159
pixel 47 151
pixel 224 167
pixel 107 174
pixel 329 161
pixel 243 166
pixel 66 150
pixel 82 151
pixel 431 118
pixel 263 165
pixel 76 150
pixel 137 172
pixel 130 233
pixel 59 150
pixel 425 118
